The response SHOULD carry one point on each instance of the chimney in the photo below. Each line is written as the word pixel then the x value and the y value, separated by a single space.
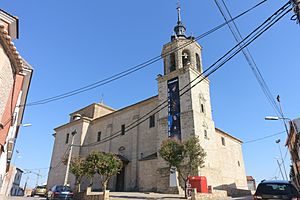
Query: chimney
pixel 11 24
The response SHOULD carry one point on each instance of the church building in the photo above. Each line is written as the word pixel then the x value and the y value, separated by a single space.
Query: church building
pixel 181 109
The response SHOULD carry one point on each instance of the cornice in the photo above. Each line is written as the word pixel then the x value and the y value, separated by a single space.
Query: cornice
pixel 11 50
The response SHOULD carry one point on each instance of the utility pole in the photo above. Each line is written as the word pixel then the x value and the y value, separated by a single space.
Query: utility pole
pixel 37 178
pixel 25 186
pixel 296 9
pixel 69 158
pixel 38 175
pixel 282 161
pixel 280 168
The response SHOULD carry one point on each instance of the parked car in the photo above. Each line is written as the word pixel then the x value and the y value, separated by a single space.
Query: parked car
pixel 58 192
pixel 39 191
pixel 276 189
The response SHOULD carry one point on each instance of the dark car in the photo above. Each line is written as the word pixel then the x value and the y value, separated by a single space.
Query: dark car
pixel 276 189
pixel 58 192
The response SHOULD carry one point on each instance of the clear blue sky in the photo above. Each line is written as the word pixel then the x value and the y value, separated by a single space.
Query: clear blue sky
pixel 74 43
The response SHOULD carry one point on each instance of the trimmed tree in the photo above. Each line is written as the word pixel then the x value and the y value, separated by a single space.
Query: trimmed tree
pixel 104 164
pixel 172 151
pixel 194 158
pixel 77 168
pixel 186 157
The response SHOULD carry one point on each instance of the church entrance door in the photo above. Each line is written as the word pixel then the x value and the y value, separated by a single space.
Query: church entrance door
pixel 120 180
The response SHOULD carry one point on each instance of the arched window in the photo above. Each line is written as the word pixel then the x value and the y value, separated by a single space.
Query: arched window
pixel 185 58
pixel 198 62
pixel 172 63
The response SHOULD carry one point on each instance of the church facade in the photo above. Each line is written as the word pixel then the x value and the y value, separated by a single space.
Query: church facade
pixel 181 109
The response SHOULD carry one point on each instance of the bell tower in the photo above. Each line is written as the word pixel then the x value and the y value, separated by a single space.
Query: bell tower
pixel 188 110
pixel 190 113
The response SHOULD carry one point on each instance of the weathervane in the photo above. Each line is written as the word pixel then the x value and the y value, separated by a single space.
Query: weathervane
pixel 178 11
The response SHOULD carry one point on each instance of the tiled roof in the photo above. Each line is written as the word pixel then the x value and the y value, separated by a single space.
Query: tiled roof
pixel 227 134
pixel 12 50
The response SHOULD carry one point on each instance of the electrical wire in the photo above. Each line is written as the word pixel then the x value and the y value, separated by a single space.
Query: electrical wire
pixel 265 26
pixel 186 86
pixel 61 159
pixel 262 138
pixel 248 56
pixel 133 69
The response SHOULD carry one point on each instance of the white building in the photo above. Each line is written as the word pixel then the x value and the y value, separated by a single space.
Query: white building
pixel 15 77
pixel 135 134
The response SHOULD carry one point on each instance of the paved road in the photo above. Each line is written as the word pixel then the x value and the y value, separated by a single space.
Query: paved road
pixel 21 198
pixel 127 196
pixel 244 198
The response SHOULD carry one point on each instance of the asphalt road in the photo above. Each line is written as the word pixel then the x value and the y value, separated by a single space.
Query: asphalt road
pixel 22 198
pixel 244 198
pixel 127 196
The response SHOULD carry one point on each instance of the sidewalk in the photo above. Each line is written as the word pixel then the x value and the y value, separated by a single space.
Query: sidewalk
pixel 141 195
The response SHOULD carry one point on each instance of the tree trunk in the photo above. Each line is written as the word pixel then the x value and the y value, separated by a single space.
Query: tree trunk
pixel 91 182
pixel 185 189
pixel 104 187
pixel 76 184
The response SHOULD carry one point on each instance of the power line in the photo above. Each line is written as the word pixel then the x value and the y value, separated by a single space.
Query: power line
pixel 61 159
pixel 262 138
pixel 132 69
pixel 37 168
pixel 249 58
pixel 267 27
pixel 264 26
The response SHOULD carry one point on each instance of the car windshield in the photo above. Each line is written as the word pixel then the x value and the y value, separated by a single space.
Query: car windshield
pixel 62 188
pixel 41 187
pixel 274 189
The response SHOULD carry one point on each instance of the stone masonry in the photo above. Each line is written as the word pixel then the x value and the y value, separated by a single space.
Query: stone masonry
pixel 100 128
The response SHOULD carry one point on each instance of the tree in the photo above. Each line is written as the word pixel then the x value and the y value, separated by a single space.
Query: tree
pixel 172 151
pixel 78 169
pixel 186 157
pixel 195 156
pixel 104 164
pixel 91 166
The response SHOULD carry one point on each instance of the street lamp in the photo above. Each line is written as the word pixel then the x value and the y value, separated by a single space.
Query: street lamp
pixel 282 118
pixel 288 135
pixel 25 125
pixel 69 158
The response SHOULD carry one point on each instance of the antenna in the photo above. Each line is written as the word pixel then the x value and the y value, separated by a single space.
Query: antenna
pixel 102 100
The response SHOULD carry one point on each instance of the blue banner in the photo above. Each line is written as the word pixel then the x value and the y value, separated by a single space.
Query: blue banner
pixel 174 129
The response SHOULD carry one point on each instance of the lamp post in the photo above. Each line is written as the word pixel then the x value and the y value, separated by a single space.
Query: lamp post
pixel 282 118
pixel 69 158
pixel 288 135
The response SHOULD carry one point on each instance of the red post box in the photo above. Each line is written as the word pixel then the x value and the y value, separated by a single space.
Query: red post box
pixel 198 182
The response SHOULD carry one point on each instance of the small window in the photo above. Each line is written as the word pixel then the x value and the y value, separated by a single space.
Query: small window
pixel 202 108
pixel 151 121
pixel 223 141
pixel 172 62
pixel 239 164
pixel 67 138
pixel 99 136
pixel 205 134
pixel 123 129
pixel 198 65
